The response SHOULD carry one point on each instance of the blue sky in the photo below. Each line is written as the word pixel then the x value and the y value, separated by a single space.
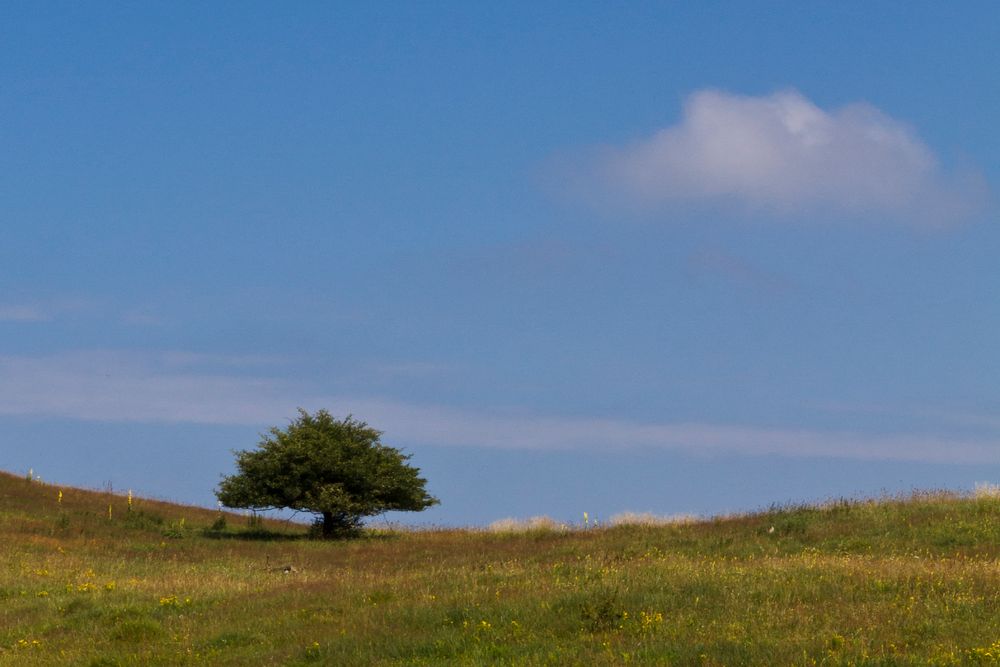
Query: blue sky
pixel 678 258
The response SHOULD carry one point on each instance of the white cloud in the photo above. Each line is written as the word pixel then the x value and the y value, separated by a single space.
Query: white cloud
pixel 781 153
pixel 175 387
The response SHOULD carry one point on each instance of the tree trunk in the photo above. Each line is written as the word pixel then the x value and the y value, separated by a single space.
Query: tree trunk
pixel 328 525
pixel 339 524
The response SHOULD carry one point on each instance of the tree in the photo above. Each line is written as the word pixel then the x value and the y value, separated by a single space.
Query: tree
pixel 334 468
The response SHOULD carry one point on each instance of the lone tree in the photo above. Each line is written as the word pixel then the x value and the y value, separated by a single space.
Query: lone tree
pixel 334 468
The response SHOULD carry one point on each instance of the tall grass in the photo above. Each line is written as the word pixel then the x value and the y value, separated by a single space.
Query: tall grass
pixel 895 581
pixel 650 519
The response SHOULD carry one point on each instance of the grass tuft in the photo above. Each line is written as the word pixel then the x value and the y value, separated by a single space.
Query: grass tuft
pixel 650 519
pixel 534 524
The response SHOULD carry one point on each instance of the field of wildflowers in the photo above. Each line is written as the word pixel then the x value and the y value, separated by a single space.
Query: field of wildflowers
pixel 897 581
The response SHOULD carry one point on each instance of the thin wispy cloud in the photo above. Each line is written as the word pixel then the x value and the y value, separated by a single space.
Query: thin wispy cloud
pixel 116 386
pixel 23 313
pixel 783 154
pixel 142 318
pixel 129 387
pixel 411 369
pixel 446 426
pixel 43 310
pixel 945 417
pixel 735 269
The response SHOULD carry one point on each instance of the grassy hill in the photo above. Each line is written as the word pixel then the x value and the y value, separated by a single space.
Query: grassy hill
pixel 889 582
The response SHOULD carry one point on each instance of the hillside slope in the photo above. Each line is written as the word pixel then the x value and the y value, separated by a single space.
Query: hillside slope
pixel 896 581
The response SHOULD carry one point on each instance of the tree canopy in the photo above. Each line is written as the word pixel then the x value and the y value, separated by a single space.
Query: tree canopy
pixel 337 469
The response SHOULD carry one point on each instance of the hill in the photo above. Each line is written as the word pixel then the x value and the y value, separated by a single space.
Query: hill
pixel 876 582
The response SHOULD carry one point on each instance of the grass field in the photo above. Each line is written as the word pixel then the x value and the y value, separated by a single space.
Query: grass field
pixel 891 582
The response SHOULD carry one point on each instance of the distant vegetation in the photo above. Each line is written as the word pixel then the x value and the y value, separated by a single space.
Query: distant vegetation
pixel 94 578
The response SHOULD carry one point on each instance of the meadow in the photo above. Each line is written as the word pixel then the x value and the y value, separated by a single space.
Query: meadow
pixel 96 578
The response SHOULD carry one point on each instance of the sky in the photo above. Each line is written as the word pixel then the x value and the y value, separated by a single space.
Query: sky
pixel 679 258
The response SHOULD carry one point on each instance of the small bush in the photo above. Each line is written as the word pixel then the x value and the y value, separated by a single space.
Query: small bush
pixel 143 520
pixel 176 530
pixel 601 612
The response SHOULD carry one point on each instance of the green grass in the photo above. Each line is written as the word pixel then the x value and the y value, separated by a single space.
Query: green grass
pixel 904 581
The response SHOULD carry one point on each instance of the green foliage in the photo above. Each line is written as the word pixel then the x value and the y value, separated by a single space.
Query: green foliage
pixel 143 520
pixel 103 662
pixel 176 530
pixel 601 611
pixel 231 639
pixel 136 630
pixel 335 468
